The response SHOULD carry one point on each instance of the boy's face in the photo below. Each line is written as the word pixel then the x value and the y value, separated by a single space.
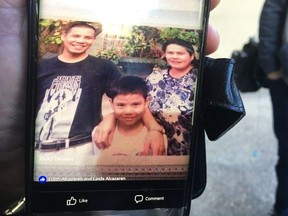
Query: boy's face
pixel 78 40
pixel 129 109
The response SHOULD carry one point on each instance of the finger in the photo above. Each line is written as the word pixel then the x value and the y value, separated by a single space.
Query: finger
pixel 146 149
pixel 101 139
pixel 156 150
pixel 212 41
pixel 162 151
pixel 214 3
pixel 96 139
pixel 104 139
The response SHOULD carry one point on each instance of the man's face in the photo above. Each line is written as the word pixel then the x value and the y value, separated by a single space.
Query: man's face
pixel 129 109
pixel 78 40
pixel 178 57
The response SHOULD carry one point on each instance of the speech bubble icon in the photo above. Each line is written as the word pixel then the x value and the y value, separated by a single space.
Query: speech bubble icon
pixel 138 198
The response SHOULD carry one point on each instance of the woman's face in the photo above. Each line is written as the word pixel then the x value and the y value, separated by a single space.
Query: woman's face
pixel 178 57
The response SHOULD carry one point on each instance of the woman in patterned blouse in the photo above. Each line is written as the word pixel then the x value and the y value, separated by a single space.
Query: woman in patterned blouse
pixel 171 94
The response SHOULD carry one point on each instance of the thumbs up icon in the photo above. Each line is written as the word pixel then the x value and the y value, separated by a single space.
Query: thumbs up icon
pixel 71 202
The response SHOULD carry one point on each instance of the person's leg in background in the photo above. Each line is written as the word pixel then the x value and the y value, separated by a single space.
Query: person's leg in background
pixel 279 97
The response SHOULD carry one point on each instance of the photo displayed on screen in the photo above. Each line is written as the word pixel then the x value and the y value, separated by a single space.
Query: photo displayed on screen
pixel 116 97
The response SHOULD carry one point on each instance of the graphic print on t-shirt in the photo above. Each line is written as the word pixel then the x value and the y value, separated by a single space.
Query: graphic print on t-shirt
pixel 58 108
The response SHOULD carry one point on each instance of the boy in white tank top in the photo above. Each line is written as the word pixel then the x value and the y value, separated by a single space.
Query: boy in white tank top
pixel 129 100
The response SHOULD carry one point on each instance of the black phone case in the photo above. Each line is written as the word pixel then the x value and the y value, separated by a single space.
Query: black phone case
pixel 197 150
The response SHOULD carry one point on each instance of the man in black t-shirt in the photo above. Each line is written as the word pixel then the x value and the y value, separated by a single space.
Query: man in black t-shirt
pixel 70 90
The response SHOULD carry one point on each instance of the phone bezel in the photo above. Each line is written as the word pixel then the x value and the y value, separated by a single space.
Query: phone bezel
pixel 34 187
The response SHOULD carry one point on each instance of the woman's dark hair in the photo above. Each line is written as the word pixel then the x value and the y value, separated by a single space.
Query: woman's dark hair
pixel 128 85
pixel 179 42
pixel 184 44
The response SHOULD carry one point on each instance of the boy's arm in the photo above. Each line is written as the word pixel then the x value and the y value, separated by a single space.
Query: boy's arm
pixel 154 140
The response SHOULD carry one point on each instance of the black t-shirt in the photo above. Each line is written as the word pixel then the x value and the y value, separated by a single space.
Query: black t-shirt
pixel 70 96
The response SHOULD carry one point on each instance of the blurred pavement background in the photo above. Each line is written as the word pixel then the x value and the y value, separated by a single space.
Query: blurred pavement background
pixel 241 179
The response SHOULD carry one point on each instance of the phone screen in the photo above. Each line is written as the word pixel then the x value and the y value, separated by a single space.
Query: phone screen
pixel 91 61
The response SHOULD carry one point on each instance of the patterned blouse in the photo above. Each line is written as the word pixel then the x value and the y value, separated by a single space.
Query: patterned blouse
pixel 171 103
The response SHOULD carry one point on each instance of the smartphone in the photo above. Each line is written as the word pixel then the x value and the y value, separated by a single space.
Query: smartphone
pixel 132 60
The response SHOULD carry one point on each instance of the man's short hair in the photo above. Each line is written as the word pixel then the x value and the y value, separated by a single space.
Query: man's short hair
pixel 128 85
pixel 80 24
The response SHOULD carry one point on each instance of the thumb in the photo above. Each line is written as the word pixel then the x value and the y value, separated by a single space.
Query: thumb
pixel 146 148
